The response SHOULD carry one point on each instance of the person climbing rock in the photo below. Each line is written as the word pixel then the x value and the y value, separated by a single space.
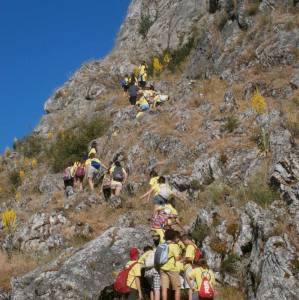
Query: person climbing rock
pixel 142 104
pixel 151 274
pixel 142 74
pixel 133 281
pixel 192 255
pixel 164 192
pixel 125 83
pixel 170 277
pixel 93 166
pixel 79 174
pixel 133 92
pixel 68 180
pixel 118 178
pixel 154 186
pixel 202 281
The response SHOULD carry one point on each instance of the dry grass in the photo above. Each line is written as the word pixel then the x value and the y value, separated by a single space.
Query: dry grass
pixel 19 265
pixel 228 293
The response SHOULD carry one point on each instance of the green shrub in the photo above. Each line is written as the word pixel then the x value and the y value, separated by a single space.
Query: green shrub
pixel 30 146
pixel 258 190
pixel 229 264
pixel 231 124
pixel 195 185
pixel 15 179
pixel 180 54
pixel 215 192
pixel 200 232
pixel 145 24
pixel 71 144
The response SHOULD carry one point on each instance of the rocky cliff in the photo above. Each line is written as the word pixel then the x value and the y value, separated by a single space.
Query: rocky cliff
pixel 237 165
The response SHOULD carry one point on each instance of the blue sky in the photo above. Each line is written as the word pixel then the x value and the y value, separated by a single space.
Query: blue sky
pixel 42 42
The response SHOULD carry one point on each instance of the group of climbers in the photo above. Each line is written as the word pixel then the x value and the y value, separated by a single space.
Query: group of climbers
pixel 92 170
pixel 141 96
pixel 174 263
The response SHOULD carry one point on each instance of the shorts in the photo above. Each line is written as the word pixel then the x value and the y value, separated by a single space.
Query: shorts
pixel 144 107
pixel 170 278
pixel 91 172
pixel 133 295
pixel 79 178
pixel 125 87
pixel 133 100
pixel 153 278
pixel 116 184
pixel 184 282
pixel 68 182
pixel 159 200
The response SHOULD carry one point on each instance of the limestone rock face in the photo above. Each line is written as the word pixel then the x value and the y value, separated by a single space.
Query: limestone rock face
pixel 82 273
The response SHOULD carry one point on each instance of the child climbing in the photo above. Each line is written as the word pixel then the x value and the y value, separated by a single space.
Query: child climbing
pixel 143 104
pixel 133 92
pixel 151 274
pixel 133 281
pixel 192 255
pixel 168 270
pixel 142 74
pixel 93 166
pixel 125 83
pixel 202 281
pixel 79 174
pixel 118 178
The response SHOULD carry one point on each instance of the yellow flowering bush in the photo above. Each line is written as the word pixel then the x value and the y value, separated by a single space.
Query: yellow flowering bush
pixel 157 66
pixel 166 58
pixel 22 175
pixel 34 163
pixel 18 196
pixel 9 220
pixel 258 102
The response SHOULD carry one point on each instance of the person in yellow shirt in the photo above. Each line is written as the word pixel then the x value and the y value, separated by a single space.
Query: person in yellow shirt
pixel 196 276
pixel 169 274
pixel 133 281
pixel 188 260
pixel 142 104
pixel 142 74
pixel 92 166
pixel 154 186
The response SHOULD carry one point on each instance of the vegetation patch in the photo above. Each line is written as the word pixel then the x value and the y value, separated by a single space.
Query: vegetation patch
pixel 231 124
pixel 70 145
pixel 218 246
pixel 200 232
pixel 30 146
pixel 145 24
pixel 229 264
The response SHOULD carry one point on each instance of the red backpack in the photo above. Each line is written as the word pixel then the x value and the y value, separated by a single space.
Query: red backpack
pixel 120 284
pixel 205 291
pixel 197 254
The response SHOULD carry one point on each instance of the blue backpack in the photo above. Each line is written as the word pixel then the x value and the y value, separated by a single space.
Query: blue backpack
pixel 161 255
pixel 95 164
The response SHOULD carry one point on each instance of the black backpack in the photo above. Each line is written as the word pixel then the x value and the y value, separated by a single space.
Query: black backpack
pixel 118 174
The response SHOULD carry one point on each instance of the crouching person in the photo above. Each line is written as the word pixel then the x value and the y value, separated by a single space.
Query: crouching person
pixel 202 280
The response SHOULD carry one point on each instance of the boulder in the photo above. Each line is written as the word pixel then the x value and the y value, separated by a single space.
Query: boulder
pixel 83 273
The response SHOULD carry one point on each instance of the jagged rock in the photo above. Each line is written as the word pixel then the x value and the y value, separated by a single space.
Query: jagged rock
pixel 85 272
pixel 115 202
pixel 51 183
pixel 41 234
pixel 229 104
pixel 295 80
pixel 4 295
pixel 270 275
pixel 207 169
